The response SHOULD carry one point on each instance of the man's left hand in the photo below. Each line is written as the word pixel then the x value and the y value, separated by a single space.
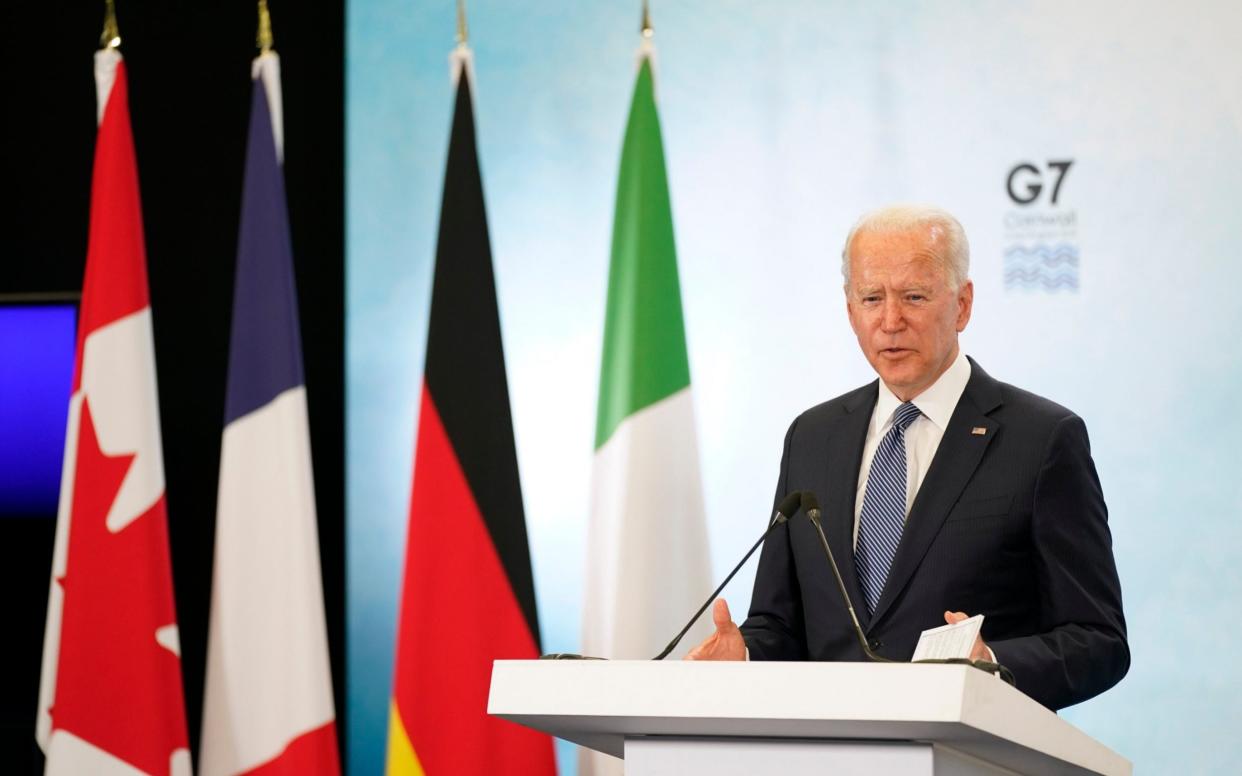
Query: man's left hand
pixel 980 650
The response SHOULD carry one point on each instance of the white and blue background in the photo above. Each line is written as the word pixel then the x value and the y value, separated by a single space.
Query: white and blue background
pixel 782 123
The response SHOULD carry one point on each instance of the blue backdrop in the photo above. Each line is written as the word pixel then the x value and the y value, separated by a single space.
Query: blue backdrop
pixel 1091 150
pixel 37 344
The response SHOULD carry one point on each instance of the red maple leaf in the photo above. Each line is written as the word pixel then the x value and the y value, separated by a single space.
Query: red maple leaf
pixel 116 687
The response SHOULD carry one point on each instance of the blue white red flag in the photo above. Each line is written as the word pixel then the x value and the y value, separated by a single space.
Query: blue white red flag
pixel 268 700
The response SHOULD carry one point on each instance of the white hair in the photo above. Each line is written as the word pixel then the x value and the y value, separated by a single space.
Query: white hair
pixel 896 219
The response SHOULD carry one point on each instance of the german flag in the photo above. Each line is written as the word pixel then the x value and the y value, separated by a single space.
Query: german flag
pixel 468 597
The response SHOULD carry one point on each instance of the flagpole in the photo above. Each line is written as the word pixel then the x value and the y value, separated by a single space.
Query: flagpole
pixel 266 66
pixel 107 58
pixel 264 37
pixel 461 58
pixel 646 46
pixel 110 38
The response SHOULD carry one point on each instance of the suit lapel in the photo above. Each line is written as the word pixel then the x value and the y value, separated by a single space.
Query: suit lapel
pixel 844 441
pixel 961 449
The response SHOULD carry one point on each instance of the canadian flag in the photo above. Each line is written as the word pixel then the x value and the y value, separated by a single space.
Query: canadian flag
pixel 110 698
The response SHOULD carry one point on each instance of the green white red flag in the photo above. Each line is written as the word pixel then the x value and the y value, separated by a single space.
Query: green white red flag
pixel 648 564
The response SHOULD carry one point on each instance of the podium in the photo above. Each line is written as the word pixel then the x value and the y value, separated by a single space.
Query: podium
pixel 794 719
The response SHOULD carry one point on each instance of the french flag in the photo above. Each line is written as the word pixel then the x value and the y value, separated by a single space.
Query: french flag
pixel 268 700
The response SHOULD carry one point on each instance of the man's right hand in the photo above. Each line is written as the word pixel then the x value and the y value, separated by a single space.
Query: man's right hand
pixel 726 643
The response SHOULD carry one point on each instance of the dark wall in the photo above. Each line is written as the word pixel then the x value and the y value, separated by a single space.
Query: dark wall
pixel 189 74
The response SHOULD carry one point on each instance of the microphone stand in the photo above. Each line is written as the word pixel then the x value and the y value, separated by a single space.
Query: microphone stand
pixel 777 519
pixel 813 514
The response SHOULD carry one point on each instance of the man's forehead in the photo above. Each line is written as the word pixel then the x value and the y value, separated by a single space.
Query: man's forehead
pixel 909 267
pixel 909 262
pixel 917 242
pixel 920 242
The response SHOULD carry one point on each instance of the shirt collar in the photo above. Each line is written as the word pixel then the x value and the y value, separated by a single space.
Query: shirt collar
pixel 936 403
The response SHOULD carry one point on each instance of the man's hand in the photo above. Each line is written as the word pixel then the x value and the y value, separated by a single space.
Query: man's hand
pixel 980 650
pixel 726 643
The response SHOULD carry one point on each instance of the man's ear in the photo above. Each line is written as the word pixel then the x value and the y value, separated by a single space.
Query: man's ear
pixel 965 300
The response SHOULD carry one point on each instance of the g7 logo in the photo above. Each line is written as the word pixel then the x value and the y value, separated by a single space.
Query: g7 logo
pixel 1034 181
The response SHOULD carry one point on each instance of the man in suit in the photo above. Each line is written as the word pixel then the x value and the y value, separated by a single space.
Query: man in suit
pixel 944 492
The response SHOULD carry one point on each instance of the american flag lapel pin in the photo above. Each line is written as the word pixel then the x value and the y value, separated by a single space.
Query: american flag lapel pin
pixel 979 430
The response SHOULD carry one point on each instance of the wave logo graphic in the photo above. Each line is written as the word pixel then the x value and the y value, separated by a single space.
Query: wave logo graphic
pixel 1042 267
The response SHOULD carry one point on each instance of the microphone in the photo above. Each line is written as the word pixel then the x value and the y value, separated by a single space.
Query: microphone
pixel 810 505
pixel 788 506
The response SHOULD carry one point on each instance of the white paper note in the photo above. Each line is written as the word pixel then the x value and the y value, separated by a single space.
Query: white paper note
pixel 948 641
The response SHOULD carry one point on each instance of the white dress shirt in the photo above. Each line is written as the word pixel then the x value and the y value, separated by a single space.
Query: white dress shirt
pixel 923 436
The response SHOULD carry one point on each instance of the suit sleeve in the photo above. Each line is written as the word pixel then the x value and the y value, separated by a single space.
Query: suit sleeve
pixel 774 629
pixel 1081 648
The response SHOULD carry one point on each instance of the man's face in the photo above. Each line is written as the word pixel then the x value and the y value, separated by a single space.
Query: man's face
pixel 902 308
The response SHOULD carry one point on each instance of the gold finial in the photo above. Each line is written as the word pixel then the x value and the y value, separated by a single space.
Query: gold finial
pixel 111 36
pixel 264 39
pixel 463 32
pixel 646 29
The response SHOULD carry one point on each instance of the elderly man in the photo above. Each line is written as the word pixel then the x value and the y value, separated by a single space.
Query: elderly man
pixel 944 491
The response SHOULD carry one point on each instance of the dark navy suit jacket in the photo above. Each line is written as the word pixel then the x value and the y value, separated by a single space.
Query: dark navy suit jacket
pixel 1009 523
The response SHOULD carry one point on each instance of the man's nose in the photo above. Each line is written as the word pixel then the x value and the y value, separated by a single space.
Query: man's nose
pixel 891 318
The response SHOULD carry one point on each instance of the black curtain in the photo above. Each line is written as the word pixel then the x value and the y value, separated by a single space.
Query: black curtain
pixel 189 75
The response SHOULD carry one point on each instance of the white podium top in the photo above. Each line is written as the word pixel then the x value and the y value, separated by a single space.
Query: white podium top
pixel 600 703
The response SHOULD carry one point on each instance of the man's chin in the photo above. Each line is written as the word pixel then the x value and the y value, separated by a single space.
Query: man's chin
pixel 900 381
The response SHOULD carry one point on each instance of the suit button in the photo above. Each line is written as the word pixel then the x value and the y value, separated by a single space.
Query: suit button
pixel 875 644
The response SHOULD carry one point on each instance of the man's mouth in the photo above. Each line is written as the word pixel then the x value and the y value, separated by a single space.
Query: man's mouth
pixel 894 352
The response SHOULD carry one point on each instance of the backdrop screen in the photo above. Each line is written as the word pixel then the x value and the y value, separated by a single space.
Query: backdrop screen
pixel 1091 150
pixel 36 369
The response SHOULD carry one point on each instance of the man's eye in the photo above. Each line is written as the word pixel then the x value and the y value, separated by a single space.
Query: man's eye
pixel 870 299
pixel 916 297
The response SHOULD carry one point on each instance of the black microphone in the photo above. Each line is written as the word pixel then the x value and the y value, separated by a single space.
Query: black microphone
pixel 787 507
pixel 810 505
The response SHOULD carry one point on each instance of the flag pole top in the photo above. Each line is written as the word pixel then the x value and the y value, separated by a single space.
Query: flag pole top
pixel 110 38
pixel 463 32
pixel 264 37
pixel 646 29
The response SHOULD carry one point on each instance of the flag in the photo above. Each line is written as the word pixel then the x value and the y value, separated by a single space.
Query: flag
pixel 110 697
pixel 647 556
pixel 267 706
pixel 467 595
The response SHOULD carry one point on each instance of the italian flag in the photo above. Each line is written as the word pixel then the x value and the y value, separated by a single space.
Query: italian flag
pixel 647 556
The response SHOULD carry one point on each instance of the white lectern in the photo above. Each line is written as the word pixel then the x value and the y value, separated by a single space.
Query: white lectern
pixel 683 718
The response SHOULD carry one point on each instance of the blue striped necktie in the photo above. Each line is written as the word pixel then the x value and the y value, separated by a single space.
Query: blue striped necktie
pixel 884 508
